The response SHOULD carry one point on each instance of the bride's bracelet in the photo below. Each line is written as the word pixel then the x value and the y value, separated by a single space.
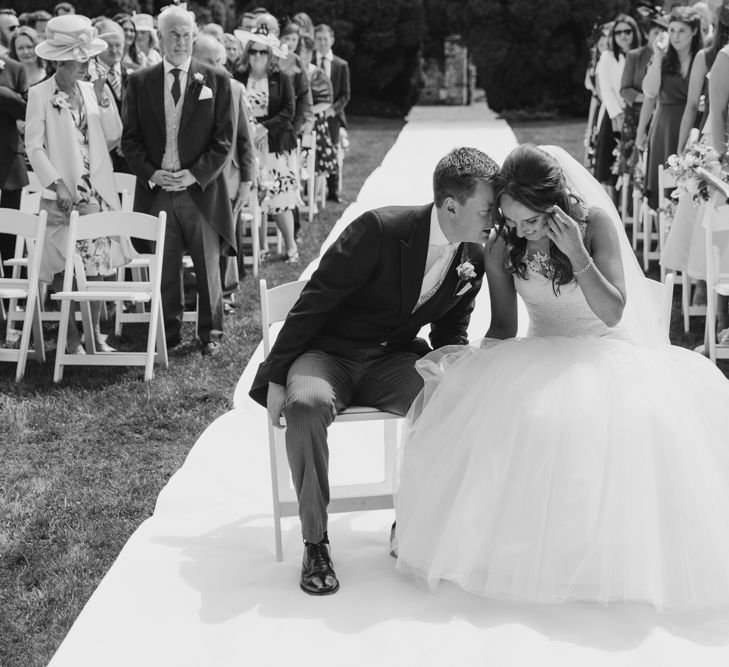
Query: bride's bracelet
pixel 585 268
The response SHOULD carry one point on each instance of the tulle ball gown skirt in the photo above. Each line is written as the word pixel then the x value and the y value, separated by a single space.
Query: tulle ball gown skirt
pixel 555 469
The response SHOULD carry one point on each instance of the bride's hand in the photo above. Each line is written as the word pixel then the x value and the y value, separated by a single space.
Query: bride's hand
pixel 565 233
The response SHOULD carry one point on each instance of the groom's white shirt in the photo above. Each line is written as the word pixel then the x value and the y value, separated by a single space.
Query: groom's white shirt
pixel 440 254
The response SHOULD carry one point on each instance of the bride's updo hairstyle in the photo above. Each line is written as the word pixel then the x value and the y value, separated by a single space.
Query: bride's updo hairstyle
pixel 534 178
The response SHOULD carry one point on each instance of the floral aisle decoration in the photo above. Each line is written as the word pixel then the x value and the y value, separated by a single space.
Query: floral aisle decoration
pixel 683 168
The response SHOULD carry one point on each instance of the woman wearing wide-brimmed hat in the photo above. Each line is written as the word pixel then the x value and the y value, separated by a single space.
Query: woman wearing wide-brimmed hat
pixel 146 48
pixel 271 95
pixel 71 124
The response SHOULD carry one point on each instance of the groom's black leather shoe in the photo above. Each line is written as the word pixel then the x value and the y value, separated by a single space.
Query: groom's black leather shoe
pixel 317 574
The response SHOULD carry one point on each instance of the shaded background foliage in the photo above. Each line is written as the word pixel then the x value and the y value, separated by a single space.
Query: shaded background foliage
pixel 530 54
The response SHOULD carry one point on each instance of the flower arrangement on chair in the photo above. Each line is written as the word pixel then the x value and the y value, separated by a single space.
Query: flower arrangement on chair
pixel 683 168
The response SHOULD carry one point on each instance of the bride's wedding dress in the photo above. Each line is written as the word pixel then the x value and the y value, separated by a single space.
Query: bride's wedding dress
pixel 577 463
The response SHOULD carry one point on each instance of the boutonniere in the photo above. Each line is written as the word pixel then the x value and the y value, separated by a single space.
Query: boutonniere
pixel 466 273
pixel 198 78
pixel 60 100
pixel 130 71
pixel 2 64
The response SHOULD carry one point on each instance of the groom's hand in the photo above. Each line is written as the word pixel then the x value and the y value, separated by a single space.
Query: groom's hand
pixel 275 402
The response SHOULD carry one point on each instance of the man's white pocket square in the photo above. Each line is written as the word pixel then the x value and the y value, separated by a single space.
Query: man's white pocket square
pixel 206 93
pixel 464 289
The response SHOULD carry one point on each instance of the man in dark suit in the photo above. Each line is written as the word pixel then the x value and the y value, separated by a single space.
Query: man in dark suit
pixel 178 131
pixel 109 63
pixel 337 70
pixel 352 335
pixel 13 174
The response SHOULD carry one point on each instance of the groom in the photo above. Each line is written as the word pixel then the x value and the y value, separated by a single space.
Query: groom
pixel 351 338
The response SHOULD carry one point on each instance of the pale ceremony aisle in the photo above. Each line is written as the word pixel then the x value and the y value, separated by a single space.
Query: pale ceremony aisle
pixel 197 584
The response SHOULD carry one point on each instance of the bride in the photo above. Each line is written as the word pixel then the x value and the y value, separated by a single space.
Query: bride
pixel 587 461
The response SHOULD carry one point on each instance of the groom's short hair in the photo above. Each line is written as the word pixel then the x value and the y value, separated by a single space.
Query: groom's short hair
pixel 457 173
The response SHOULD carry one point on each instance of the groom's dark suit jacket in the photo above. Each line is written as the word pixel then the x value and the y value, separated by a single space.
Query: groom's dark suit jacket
pixel 364 291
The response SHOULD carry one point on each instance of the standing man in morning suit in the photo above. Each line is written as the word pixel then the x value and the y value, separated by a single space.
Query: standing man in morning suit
pixel 178 131
pixel 337 70
pixel 351 338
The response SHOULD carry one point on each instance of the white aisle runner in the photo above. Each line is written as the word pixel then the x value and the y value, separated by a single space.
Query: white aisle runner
pixel 197 584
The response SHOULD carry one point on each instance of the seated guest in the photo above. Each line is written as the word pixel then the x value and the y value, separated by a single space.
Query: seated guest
pixel 240 169
pixel 178 131
pixel 248 21
pixel 63 8
pixel 71 124
pixel 337 70
pixel 9 23
pixel 270 93
pixel 13 176
pixel 22 49
pixel 307 25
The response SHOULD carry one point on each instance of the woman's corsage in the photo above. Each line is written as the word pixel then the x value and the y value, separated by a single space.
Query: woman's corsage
pixel 60 100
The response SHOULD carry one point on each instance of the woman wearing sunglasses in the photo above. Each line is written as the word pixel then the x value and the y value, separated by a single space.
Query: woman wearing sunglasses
pixel 270 93
pixel 625 35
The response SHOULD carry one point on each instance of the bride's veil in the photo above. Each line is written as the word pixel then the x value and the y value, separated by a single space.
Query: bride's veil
pixel 641 317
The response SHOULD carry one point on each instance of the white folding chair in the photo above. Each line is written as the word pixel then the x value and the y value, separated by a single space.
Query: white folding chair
pixel 33 229
pixel 126 186
pixel 251 217
pixel 638 195
pixel 624 186
pixel 662 293
pixel 112 223
pixel 714 217
pixel 275 306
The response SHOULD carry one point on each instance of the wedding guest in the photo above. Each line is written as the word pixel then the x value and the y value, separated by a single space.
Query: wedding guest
pixel 667 81
pixel 240 168
pixel 178 130
pixel 215 30
pixel 146 49
pixel 270 93
pixel 38 21
pixel 352 335
pixel 63 8
pixel 8 25
pixel 307 25
pixel 602 41
pixel 337 70
pixel 291 64
pixel 22 49
pixel 631 90
pixel 71 124
pixel 698 86
pixel 233 52
pixel 248 22
pixel 129 59
pixel 13 176
pixel 110 67
pixel 322 97
pixel 625 35
pixel 707 22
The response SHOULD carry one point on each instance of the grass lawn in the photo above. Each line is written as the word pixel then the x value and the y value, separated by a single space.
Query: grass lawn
pixel 83 462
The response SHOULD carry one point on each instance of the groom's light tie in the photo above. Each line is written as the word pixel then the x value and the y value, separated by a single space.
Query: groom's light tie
pixel 436 266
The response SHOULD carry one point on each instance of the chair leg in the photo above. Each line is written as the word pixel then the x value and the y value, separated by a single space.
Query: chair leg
pixel 710 327
pixel 161 355
pixel 62 340
pixel 685 299
pixel 39 349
